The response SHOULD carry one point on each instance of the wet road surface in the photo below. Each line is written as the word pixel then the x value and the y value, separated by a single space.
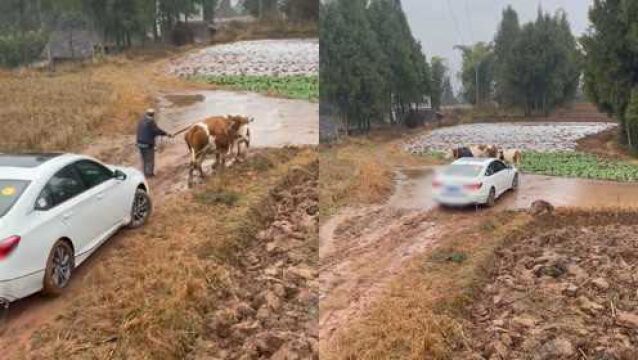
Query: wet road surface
pixel 414 191
pixel 278 122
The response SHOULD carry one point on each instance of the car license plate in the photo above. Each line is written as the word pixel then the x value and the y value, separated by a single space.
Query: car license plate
pixel 452 190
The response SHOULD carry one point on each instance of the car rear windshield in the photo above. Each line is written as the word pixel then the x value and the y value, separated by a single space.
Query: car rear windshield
pixel 10 192
pixel 463 170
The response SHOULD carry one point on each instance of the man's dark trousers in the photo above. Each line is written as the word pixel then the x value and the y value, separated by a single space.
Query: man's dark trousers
pixel 148 159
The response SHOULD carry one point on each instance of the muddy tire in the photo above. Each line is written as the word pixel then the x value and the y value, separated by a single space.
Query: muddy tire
pixel 515 182
pixel 141 209
pixel 60 266
pixel 491 198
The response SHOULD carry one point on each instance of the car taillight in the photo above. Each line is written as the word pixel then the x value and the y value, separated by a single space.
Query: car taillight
pixel 436 184
pixel 8 245
pixel 473 186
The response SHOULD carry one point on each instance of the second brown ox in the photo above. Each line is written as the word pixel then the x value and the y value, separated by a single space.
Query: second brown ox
pixel 218 135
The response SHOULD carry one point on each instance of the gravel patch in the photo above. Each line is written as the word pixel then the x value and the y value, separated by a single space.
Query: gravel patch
pixel 555 136
pixel 260 57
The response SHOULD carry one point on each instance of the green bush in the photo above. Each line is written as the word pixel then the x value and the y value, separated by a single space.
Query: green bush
pixel 575 164
pixel 18 49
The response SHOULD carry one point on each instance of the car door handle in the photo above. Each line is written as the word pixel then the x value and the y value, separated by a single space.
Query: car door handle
pixel 67 216
pixel 100 196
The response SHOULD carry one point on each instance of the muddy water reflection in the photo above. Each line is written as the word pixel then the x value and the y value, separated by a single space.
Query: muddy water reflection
pixel 278 122
pixel 414 191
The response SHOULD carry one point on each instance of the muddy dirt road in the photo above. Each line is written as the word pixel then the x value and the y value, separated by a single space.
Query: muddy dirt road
pixel 363 250
pixel 278 122
pixel 414 191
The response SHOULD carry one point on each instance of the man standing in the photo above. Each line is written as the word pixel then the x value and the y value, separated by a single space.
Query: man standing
pixel 147 131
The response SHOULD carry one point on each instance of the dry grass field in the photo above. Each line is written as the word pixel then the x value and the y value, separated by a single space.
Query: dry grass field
pixel 153 291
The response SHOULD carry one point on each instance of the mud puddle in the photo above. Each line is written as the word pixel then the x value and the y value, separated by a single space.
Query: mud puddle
pixel 278 122
pixel 414 191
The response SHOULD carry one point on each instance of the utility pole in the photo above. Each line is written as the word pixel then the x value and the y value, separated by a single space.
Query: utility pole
pixel 261 9
pixel 476 69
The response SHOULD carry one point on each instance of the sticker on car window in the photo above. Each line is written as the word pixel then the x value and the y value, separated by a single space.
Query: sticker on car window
pixel 8 191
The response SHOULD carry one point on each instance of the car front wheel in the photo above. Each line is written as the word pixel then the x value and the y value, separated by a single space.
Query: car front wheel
pixel 59 269
pixel 141 210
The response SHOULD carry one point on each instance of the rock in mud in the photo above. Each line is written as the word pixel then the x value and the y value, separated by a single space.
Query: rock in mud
pixel 264 317
pixel 559 348
pixel 589 306
pixel 541 207
pixel 301 272
pixel 524 321
pixel 272 301
pixel 627 320
pixel 601 284
pixel 268 343
pixel 568 308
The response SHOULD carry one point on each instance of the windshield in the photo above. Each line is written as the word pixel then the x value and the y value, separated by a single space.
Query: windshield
pixel 463 170
pixel 10 192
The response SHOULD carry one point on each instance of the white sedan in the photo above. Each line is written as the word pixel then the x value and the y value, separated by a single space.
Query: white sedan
pixel 470 181
pixel 55 211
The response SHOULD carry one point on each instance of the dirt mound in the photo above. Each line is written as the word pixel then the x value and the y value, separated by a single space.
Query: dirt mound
pixel 270 311
pixel 564 290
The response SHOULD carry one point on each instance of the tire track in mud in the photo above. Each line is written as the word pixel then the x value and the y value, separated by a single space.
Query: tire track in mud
pixel 362 251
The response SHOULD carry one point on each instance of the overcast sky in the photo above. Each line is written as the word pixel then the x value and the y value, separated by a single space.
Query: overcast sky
pixel 441 24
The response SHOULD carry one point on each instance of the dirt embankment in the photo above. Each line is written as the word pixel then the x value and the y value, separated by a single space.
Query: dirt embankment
pixel 270 309
pixel 565 288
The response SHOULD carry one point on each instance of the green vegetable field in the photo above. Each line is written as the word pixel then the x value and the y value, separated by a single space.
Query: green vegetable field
pixel 575 164
pixel 295 87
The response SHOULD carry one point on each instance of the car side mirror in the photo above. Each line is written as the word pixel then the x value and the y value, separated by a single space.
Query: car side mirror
pixel 119 175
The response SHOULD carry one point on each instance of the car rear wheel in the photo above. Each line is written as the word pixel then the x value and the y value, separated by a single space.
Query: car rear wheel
pixel 491 198
pixel 141 210
pixel 59 269
pixel 515 182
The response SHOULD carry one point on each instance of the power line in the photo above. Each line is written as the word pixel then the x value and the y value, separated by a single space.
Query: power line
pixel 469 22
pixel 456 23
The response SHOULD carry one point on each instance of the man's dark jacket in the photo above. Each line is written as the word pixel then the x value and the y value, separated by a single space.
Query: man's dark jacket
pixel 147 130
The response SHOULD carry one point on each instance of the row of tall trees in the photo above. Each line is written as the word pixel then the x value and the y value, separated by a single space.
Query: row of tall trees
pixel 372 69
pixel 535 67
pixel 611 63
pixel 24 24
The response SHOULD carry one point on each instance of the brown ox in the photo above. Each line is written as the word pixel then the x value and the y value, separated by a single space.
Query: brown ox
pixel 512 156
pixel 218 135
pixel 481 151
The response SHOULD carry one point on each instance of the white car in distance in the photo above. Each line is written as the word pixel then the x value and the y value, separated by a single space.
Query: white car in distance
pixel 469 181
pixel 55 211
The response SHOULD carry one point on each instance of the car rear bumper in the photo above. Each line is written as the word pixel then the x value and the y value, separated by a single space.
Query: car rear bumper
pixel 18 288
pixel 460 199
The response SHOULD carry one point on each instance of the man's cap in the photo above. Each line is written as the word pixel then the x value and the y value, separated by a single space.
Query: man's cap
pixel 150 111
